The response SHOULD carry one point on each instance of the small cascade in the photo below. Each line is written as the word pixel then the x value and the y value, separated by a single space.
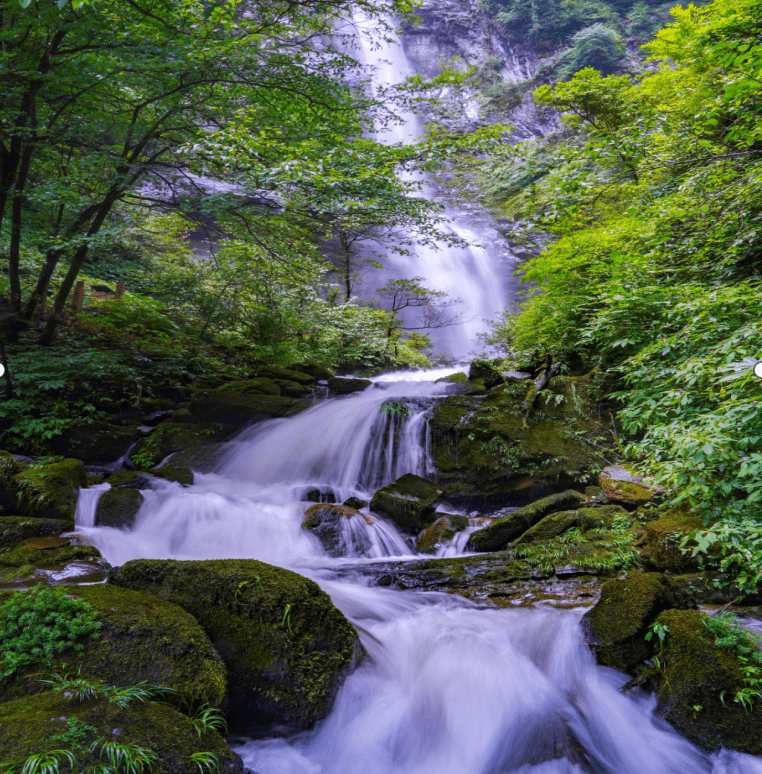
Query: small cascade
pixel 87 505
pixel 371 537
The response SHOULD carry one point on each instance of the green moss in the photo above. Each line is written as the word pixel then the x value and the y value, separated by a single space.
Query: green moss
pixel 118 508
pixel 21 562
pixel 262 386
pixel 454 378
pixel 170 437
pixel 698 674
pixel 409 501
pixel 27 726
pixel 49 491
pixel 285 645
pixel 286 374
pixel 238 409
pixel 662 539
pixel 556 524
pixel 176 473
pixel 14 529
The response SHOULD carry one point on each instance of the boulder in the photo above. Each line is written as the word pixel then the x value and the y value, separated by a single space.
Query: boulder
pixel 286 647
pixel 141 639
pixel 118 508
pixel 8 468
pixel 292 389
pixel 14 529
pixel 41 723
pixel 180 474
pixel 96 442
pixel 238 408
pixel 583 519
pixel 617 626
pixel 454 378
pixel 24 561
pixel 439 532
pixel 286 374
pixel 324 521
pixel 343 386
pixel 49 491
pixel 320 496
pixel 261 386
pixel 504 530
pixel 698 686
pixel 622 484
pixel 662 537
pixel 170 437
pixel 131 479
pixel 356 503
pixel 409 502
pixel 316 371
pixel 487 372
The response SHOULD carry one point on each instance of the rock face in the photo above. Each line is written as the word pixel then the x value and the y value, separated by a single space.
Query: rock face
pixel 504 530
pixel 324 521
pixel 341 386
pixel 698 674
pixel 616 627
pixel 285 645
pixel 409 502
pixel 583 519
pixel 621 484
pixel 29 725
pixel 118 508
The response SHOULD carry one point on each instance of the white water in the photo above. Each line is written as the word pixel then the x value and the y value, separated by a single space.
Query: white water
pixel 447 687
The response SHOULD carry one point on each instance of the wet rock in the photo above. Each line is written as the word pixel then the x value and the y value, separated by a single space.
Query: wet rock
pixel 409 502
pixel 440 532
pixel 286 374
pixel 286 647
pixel 261 385
pixel 699 683
pixel 662 539
pixel 131 479
pixel 342 386
pixel 616 627
pixel 96 442
pixel 320 496
pixel 356 503
pixel 324 521
pixel 622 484
pixel 458 378
pixel 21 564
pixel 583 519
pixel 15 529
pixel 504 530
pixel 30 725
pixel 177 473
pixel 292 389
pixel 487 372
pixel 237 408
pixel 118 508
pixel 316 371
pixel 49 491
pixel 169 438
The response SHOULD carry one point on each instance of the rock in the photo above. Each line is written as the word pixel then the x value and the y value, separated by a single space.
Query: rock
pixel 286 374
pixel 157 417
pixel 439 532
pixel 583 519
pixel 454 378
pixel 487 371
pixel 238 408
pixel 24 564
pixel 49 491
pixel 356 503
pixel 504 530
pixel 96 442
pixel 285 645
pixel 31 725
pixel 182 417
pixel 118 508
pixel 342 386
pixel 177 473
pixel 261 386
pixel 169 438
pixel 131 479
pixel 141 639
pixel 320 496
pixel 324 521
pixel 15 529
pixel 621 484
pixel 316 371
pixel 616 627
pixel 409 502
pixel 8 468
pixel 699 683
pixel 662 540
pixel 292 389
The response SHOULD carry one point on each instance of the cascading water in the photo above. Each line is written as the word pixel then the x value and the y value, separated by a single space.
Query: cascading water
pixel 447 687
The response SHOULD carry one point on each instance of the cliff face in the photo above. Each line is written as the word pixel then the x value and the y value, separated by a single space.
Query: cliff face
pixel 459 32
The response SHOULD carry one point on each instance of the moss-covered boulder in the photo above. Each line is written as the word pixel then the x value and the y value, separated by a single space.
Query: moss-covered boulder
pixel 316 371
pixel 458 378
pixel 502 531
pixel 486 371
pixel 286 647
pixel 623 484
pixel 617 626
pixel 49 491
pixel 180 474
pixel 698 686
pixel 356 503
pixel 131 479
pixel 239 408
pixel 8 468
pixel 662 538
pixel 14 529
pixel 409 502
pixel 440 532
pixel 141 639
pixel 27 561
pixel 325 522
pixel 118 508
pixel 261 386
pixel 583 519
pixel 42 723
pixel 343 386
pixel 285 374
pixel 292 389
pixel 96 442
pixel 170 438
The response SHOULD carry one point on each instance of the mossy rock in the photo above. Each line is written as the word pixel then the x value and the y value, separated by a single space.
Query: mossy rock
pixel 286 647
pixel 356 503
pixel 487 371
pixel 131 479
pixel 8 468
pixel 177 473
pixel 286 374
pixel 440 532
pixel 458 378
pixel 504 530
pixel 22 562
pixel 169 438
pixel 324 521
pixel 96 442
pixel 181 417
pixel 617 626
pixel 315 370
pixel 239 408
pixel 292 389
pixel 30 725
pixel 118 508
pixel 49 491
pixel 556 524
pixel 260 386
pixel 698 674
pixel 662 539
pixel 342 386
pixel 409 502
pixel 622 484
pixel 142 639
pixel 14 529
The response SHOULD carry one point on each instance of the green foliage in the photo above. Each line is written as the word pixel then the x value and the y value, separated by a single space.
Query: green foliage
pixel 731 636
pixel 395 409
pixel 81 688
pixel 75 737
pixel 597 46
pixel 42 763
pixel 209 719
pixel 41 623
pixel 207 762
pixel 123 758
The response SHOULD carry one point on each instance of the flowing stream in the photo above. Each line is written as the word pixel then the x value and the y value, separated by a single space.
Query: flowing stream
pixel 447 687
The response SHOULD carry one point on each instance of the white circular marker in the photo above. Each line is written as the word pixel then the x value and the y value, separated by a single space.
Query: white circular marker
pixel 758 369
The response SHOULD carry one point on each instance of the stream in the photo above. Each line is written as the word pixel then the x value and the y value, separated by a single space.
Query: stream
pixel 447 686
